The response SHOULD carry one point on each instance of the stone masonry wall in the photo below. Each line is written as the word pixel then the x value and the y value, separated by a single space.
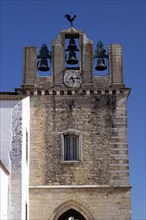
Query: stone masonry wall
pixel 119 167
pixel 98 185
pixel 92 203
pixel 95 116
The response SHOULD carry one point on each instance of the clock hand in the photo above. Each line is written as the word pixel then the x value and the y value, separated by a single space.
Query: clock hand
pixel 72 79
pixel 76 78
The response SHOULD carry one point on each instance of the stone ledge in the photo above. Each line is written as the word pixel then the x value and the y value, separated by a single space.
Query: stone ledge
pixel 77 186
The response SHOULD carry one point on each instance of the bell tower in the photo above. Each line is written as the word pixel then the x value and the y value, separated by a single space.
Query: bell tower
pixel 78 163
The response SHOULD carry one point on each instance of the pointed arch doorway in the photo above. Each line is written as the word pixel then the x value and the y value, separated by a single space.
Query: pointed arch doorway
pixel 72 210
pixel 71 214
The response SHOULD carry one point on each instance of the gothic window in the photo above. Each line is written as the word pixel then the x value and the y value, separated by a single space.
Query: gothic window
pixel 71 147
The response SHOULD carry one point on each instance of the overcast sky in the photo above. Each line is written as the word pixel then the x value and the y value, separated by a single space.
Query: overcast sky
pixel 32 23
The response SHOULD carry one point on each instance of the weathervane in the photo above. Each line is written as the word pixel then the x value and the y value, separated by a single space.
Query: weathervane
pixel 68 17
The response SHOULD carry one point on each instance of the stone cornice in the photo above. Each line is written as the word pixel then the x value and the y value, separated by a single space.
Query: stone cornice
pixel 80 91
pixel 79 186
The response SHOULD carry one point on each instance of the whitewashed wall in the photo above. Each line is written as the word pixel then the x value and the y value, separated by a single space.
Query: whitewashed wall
pixel 3 194
pixel 14 124
pixel 25 164
pixel 6 108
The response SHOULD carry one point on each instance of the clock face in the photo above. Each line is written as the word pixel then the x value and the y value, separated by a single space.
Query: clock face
pixel 72 78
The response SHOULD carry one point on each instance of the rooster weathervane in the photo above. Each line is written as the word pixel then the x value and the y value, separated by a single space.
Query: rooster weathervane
pixel 68 17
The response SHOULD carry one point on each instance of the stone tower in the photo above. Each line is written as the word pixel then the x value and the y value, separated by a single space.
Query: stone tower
pixel 78 157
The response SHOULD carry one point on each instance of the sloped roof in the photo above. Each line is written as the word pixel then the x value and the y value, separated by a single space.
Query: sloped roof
pixel 11 96
pixel 4 168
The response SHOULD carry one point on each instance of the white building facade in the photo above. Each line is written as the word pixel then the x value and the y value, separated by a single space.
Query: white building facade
pixel 14 139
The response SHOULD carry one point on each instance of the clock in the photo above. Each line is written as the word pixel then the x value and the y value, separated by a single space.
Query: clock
pixel 72 78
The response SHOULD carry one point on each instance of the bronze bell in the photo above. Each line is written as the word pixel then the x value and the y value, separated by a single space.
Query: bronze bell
pixel 100 54
pixel 100 64
pixel 72 58
pixel 72 45
pixel 43 65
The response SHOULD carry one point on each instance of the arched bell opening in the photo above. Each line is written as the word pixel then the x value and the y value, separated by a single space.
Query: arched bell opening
pixel 42 64
pixel 72 52
pixel 71 214
pixel 101 62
